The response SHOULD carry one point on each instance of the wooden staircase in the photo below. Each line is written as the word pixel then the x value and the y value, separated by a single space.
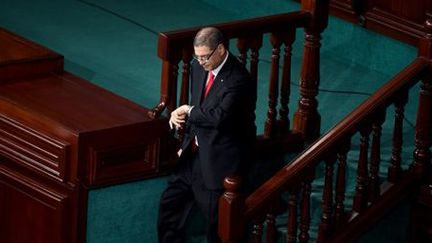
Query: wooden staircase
pixel 243 217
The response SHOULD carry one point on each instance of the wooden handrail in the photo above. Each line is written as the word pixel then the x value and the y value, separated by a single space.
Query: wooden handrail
pixel 175 48
pixel 292 173
pixel 173 45
pixel 366 121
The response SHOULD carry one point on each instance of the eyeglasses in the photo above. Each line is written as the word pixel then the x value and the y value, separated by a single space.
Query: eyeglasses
pixel 204 59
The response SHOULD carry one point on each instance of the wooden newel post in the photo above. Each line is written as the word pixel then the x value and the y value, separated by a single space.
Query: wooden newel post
pixel 307 119
pixel 231 208
pixel 425 43
pixel 423 138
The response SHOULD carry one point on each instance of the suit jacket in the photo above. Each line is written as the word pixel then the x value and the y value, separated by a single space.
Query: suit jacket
pixel 223 121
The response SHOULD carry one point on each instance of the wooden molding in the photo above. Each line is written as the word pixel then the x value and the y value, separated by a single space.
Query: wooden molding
pixel 33 149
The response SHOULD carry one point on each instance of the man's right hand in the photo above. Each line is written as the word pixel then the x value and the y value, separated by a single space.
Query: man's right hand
pixel 178 116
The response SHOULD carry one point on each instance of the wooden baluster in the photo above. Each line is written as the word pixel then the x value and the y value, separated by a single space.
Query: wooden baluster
pixel 307 119
pixel 341 183
pixel 165 92
pixel 375 158
pixel 269 130
pixel 170 71
pixel 271 231
pixel 284 122
pixel 173 79
pixel 395 169
pixel 255 45
pixel 184 92
pixel 292 216
pixel 423 137
pixel 168 95
pixel 305 210
pixel 243 47
pixel 360 197
pixel 169 77
pixel 257 230
pixel 231 208
pixel 325 226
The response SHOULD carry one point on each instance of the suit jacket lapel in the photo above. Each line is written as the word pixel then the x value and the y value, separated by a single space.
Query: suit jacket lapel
pixel 199 87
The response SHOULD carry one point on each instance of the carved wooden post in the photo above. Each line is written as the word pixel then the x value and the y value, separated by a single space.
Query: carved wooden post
pixel 168 84
pixel 285 90
pixel 184 92
pixel 375 156
pixel 305 217
pixel 171 59
pixel 172 74
pixel 257 230
pixel 395 169
pixel 231 208
pixel 341 183
pixel 326 225
pixel 422 153
pixel 271 232
pixel 270 123
pixel 360 197
pixel 425 43
pixel 292 212
pixel 255 45
pixel 307 119
pixel 243 47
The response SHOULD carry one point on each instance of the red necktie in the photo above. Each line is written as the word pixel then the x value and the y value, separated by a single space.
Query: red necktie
pixel 209 83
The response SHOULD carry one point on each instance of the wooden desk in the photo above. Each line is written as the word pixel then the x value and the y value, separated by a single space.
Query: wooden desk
pixel 60 135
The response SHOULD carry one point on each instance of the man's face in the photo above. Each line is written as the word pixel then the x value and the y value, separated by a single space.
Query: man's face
pixel 209 59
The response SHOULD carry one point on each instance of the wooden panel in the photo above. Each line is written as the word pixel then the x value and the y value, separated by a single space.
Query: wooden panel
pixel 96 125
pixel 105 160
pixel 111 163
pixel 399 19
pixel 31 212
pixel 69 102
pixel 343 9
pixel 32 149
pixel 413 11
pixel 59 136
pixel 21 58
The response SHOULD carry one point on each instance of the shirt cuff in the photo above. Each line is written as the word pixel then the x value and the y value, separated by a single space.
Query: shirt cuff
pixel 189 110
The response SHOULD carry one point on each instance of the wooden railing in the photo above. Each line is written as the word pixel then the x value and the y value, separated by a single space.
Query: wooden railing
pixel 177 47
pixel 241 218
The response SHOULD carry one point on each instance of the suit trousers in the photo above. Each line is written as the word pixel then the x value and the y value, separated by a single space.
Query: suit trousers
pixel 186 188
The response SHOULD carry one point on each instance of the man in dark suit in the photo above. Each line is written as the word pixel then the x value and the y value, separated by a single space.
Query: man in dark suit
pixel 219 135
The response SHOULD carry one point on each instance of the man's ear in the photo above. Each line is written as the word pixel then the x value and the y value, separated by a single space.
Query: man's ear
pixel 221 48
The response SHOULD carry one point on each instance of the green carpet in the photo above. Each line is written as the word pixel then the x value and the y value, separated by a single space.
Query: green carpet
pixel 124 213
pixel 113 44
